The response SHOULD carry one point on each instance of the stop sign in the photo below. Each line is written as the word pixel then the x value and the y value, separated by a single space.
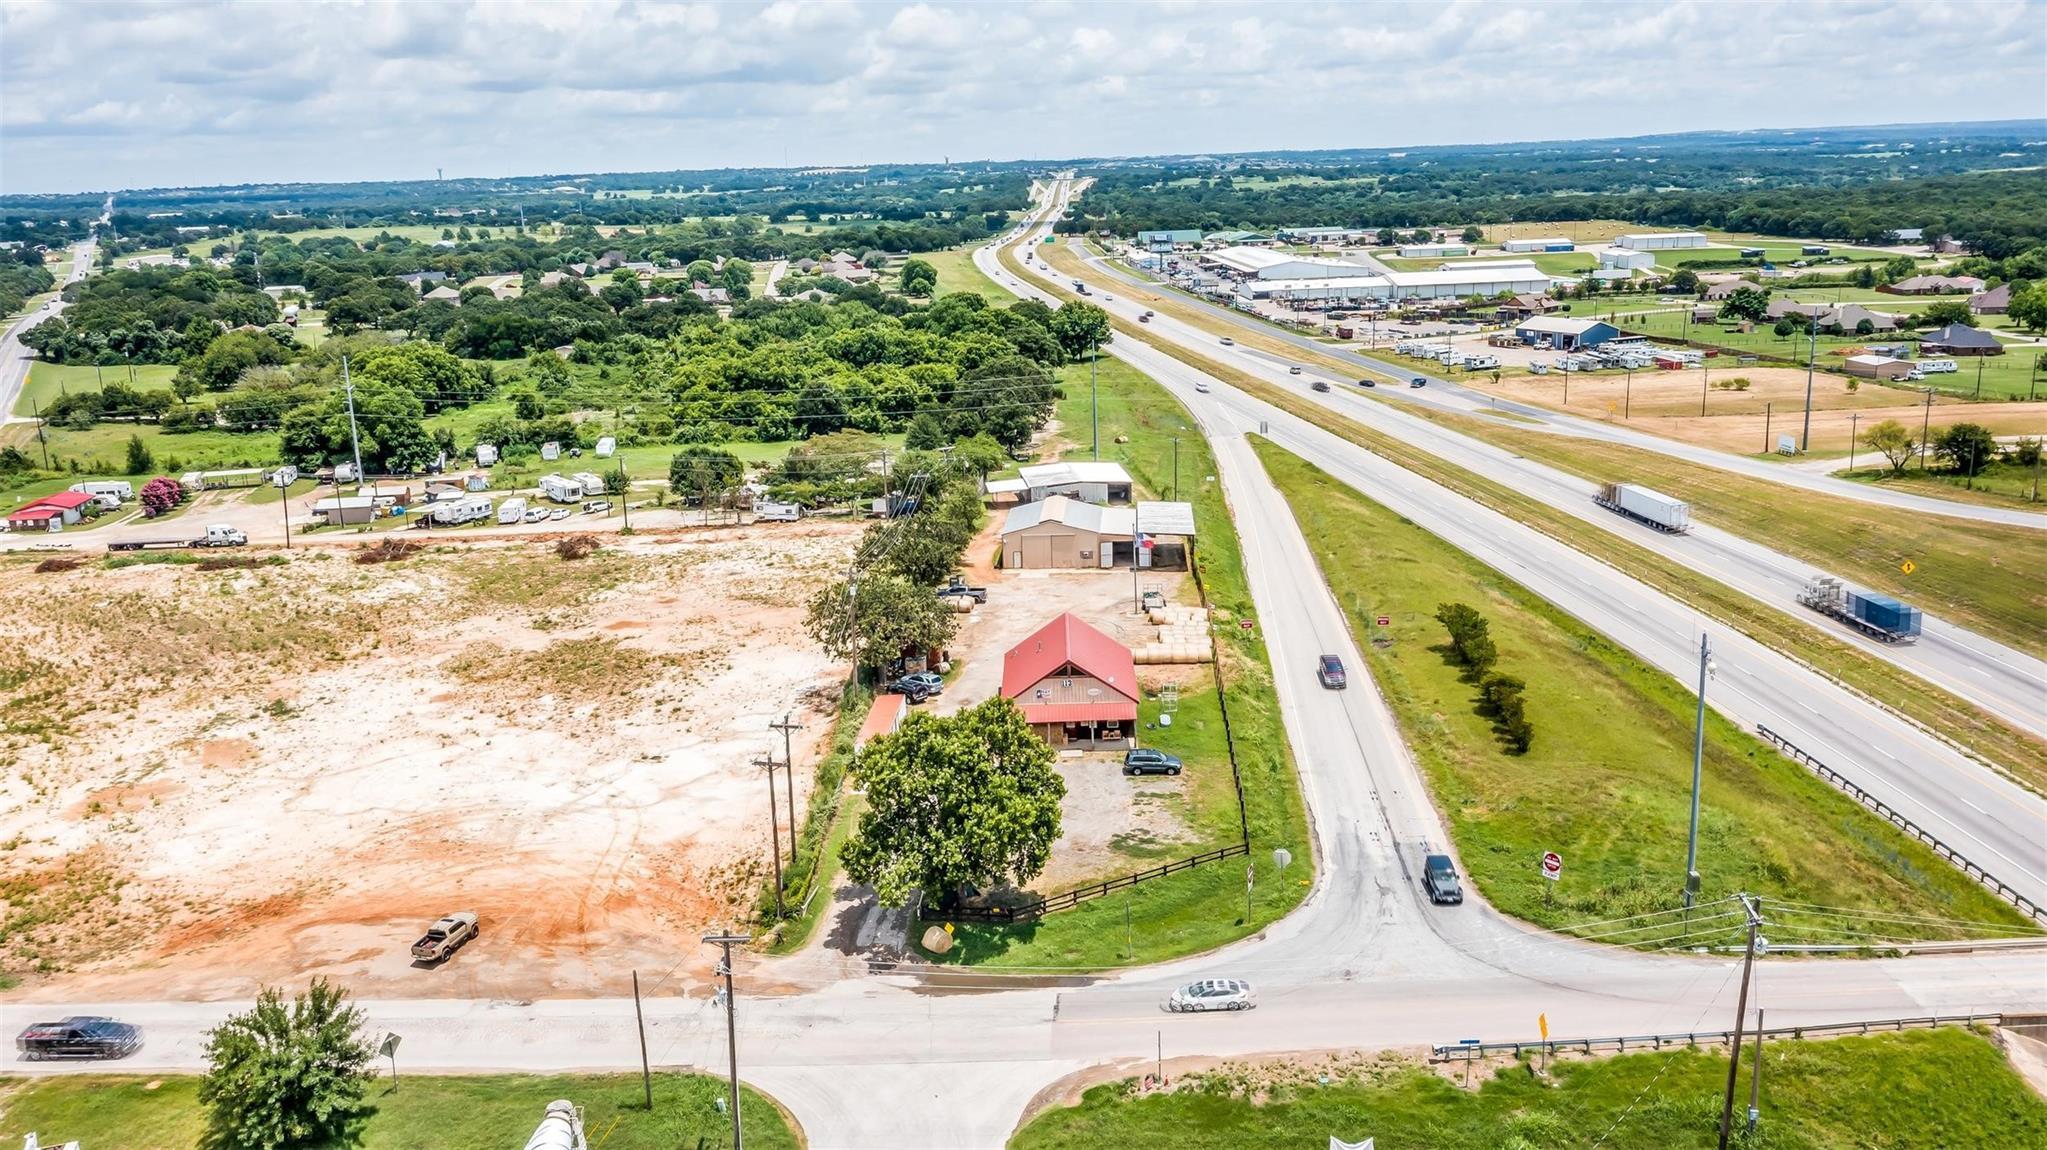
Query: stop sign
pixel 1552 864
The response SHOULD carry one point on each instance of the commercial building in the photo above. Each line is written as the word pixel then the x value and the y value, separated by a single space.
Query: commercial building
pixel 1549 244
pixel 1090 480
pixel 1659 241
pixel 1454 282
pixel 1431 251
pixel 1565 334
pixel 1232 239
pixel 1267 264
pixel 51 512
pixel 1322 235
pixel 1178 238
pixel 1074 685
pixel 338 509
pixel 1626 259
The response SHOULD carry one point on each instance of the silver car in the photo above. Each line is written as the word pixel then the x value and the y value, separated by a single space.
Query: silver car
pixel 1212 994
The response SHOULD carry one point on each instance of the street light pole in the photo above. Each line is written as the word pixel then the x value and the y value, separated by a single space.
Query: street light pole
pixel 1093 402
pixel 1812 352
pixel 725 941
pixel 1691 891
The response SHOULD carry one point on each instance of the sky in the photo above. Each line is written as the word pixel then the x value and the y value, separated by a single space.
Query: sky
pixel 106 95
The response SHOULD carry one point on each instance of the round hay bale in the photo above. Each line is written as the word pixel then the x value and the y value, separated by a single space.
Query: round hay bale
pixel 936 940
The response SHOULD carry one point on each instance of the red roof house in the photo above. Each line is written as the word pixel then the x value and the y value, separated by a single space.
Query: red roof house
pixel 1073 683
pixel 64 507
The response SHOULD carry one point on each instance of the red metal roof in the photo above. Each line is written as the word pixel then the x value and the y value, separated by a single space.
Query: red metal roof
pixel 1108 712
pixel 35 513
pixel 1068 640
pixel 67 500
pixel 882 718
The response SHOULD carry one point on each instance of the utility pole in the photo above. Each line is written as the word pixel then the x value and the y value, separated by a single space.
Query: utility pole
pixel 1176 467
pixel 1705 382
pixel 789 727
pixel 1691 891
pixel 1755 1078
pixel 1093 403
pixel 1812 352
pixel 1628 396
pixel 1925 428
pixel 774 829
pixel 1748 962
pixel 731 1021
pixel 1854 417
pixel 354 440
pixel 284 501
pixel 41 439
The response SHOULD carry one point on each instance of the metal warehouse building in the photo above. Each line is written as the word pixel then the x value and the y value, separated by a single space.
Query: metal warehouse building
pixel 1626 259
pixel 1565 334
pixel 1490 279
pixel 1553 244
pixel 1429 251
pixel 1267 264
pixel 1658 241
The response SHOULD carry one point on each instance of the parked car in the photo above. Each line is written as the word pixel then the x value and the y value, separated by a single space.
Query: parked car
pixel 1368 383
pixel 1417 381
pixel 559 513
pixel 918 687
pixel 536 514
pixel 1147 761
pixel 1439 879
pixel 79 1036
pixel 1293 369
pixel 1329 669
pixel 596 506
pixel 1318 385
pixel 1212 994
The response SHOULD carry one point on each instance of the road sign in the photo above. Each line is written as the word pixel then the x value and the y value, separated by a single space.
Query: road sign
pixel 1908 566
pixel 1385 620
pixel 1552 865
pixel 1542 1020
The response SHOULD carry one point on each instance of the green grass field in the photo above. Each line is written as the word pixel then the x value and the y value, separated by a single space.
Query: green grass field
pixel 1204 907
pixel 1607 780
pixel 46 381
pixel 163 1112
pixel 1942 1088
pixel 956 272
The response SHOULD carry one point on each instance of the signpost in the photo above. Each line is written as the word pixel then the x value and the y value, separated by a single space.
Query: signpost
pixel 1384 620
pixel 1552 865
pixel 389 1049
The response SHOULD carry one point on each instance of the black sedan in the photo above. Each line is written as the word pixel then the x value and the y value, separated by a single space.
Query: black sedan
pixel 1417 381
pixel 80 1036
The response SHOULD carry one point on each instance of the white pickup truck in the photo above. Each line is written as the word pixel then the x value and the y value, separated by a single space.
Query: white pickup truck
pixel 446 936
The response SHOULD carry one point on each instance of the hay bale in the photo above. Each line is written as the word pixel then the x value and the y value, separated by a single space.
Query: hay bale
pixel 936 940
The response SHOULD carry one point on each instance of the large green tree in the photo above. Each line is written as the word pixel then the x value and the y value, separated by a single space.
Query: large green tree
pixel 699 473
pixel 387 422
pixel 919 278
pixel 283 1076
pixel 1966 448
pixel 1893 441
pixel 1079 326
pixel 970 799
pixel 874 619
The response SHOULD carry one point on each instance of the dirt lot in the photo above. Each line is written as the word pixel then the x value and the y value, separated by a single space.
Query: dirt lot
pixel 1667 403
pixel 214 779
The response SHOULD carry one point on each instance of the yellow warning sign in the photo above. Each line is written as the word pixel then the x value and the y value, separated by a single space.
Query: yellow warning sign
pixel 1908 566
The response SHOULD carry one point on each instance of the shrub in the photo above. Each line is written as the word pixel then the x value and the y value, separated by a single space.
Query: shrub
pixel 576 547
pixel 281 1076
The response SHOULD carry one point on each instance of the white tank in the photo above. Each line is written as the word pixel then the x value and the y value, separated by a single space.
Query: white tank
pixel 561 1129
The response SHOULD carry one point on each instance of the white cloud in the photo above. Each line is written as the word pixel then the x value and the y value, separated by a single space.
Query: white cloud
pixel 112 95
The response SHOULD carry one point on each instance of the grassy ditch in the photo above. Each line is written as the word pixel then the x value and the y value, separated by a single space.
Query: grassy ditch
pixel 1203 907
pixel 1921 1088
pixel 2019 754
pixel 109 1112
pixel 827 821
pixel 1607 780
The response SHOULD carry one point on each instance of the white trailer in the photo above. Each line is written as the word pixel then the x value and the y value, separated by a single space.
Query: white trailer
pixel 591 484
pixel 512 510
pixel 1938 366
pixel 772 511
pixel 1671 516
pixel 468 509
pixel 121 490
pixel 560 490
pixel 1481 362
pixel 486 455
pixel 607 446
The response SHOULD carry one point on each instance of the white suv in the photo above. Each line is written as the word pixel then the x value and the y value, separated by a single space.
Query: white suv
pixel 1212 994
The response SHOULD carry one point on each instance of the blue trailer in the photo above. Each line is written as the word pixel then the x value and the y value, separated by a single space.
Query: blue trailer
pixel 1878 616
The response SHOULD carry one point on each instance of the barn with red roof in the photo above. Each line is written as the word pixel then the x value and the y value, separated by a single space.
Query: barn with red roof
pixel 1075 685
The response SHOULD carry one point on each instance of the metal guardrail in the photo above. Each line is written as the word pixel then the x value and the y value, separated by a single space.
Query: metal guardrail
pixel 1068 899
pixel 1990 881
pixel 1624 1042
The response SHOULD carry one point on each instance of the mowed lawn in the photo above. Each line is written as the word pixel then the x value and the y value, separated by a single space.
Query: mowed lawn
pixel 1203 907
pixel 498 1110
pixel 46 381
pixel 1920 1089
pixel 956 272
pixel 1607 780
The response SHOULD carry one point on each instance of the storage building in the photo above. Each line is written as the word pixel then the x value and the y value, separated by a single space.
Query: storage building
pixel 1169 239
pixel 1061 532
pixel 1563 333
pixel 1876 366
pixel 1431 251
pixel 1267 264
pixel 1074 685
pixel 1659 241
pixel 338 509
pixel 1626 259
pixel 1089 480
pixel 1551 244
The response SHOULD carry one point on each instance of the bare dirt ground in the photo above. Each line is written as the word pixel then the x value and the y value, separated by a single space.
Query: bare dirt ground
pixel 1666 403
pixel 215 779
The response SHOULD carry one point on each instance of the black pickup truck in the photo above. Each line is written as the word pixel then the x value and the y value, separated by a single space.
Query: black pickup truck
pixel 959 586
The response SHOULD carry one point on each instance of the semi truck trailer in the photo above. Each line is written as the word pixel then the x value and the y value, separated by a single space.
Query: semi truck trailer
pixel 1878 616
pixel 1672 516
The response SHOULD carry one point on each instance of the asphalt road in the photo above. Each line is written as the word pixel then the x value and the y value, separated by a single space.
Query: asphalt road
pixel 1442 391
pixel 2001 679
pixel 14 358
pixel 892 1062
